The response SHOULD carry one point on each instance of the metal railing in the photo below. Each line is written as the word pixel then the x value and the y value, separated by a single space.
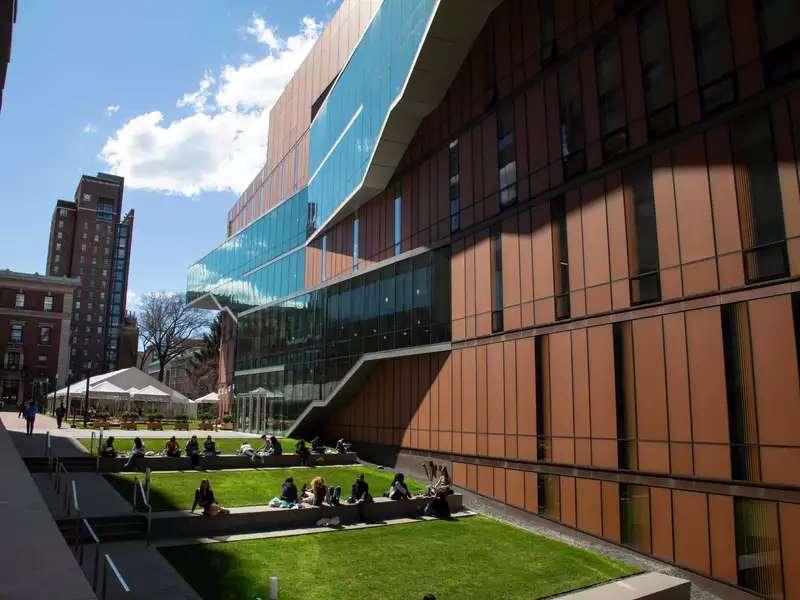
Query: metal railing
pixel 142 492
pixel 84 525
pixel 108 563
pixel 99 450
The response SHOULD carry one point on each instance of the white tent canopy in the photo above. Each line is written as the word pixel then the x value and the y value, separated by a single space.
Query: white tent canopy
pixel 211 398
pixel 128 386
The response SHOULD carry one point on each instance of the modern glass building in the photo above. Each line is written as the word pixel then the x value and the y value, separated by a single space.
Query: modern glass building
pixel 554 245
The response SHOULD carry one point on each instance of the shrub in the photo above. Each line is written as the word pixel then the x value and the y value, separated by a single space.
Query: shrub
pixel 156 416
pixel 130 415
pixel 181 418
pixel 227 418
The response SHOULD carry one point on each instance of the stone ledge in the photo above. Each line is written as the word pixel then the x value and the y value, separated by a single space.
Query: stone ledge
pixel 248 519
pixel 649 586
pixel 228 461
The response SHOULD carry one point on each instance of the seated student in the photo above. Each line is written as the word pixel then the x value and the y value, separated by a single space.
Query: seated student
pixel 210 447
pixel 275 448
pixel 321 493
pixel 108 449
pixel 245 450
pixel 399 489
pixel 302 451
pixel 263 450
pixel 342 447
pixel 317 446
pixel 136 454
pixel 289 491
pixel 193 451
pixel 204 497
pixel 440 487
pixel 360 490
pixel 171 448
pixel 438 507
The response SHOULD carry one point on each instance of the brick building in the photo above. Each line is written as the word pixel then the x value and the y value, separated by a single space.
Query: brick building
pixel 555 244
pixel 90 239
pixel 8 16
pixel 35 314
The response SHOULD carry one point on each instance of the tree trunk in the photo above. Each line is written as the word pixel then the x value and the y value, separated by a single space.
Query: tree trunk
pixel 161 369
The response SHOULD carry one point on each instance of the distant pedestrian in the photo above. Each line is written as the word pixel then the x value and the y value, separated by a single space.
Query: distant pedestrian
pixel 60 412
pixel 30 417
pixel 21 409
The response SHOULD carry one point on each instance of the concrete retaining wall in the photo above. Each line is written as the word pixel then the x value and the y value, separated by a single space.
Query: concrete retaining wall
pixel 648 586
pixel 177 524
pixel 228 461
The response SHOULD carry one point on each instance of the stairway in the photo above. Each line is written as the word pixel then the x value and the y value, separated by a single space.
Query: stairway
pixel 108 529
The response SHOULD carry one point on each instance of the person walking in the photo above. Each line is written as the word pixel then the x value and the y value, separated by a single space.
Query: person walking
pixel 30 417
pixel 60 412
pixel 21 407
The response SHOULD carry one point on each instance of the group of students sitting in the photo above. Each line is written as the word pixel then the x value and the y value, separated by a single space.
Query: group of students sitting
pixel 171 449
pixel 320 494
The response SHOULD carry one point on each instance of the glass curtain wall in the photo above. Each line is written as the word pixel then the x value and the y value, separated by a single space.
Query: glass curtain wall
pixel 252 268
pixel 296 351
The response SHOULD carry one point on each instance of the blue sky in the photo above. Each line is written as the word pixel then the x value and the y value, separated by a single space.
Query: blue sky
pixel 171 95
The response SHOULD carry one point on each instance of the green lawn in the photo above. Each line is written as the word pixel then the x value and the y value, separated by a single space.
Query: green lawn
pixel 471 558
pixel 224 445
pixel 175 491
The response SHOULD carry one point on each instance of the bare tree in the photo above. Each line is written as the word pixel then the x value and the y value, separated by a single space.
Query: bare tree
pixel 166 324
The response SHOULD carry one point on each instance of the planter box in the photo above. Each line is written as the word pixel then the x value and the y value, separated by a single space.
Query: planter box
pixel 206 426
pixel 154 426
pixel 226 426
pixel 129 424
pixel 182 425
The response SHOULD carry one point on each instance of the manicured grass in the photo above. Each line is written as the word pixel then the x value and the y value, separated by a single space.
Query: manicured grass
pixel 470 558
pixel 175 491
pixel 224 445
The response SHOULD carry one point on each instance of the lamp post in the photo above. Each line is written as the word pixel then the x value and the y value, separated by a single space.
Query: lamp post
pixel 86 398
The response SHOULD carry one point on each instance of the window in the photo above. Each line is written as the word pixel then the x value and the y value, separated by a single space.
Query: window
pixel 657 77
pixel 398 217
pixel 42 358
pixel 634 516
pixel 496 249
pixel 19 300
pixel 323 259
pixel 548 492
pixel 758 549
pixel 625 396
pixel 60 224
pixel 62 212
pixel 77 305
pixel 355 242
pixel 547 30
pixel 571 129
pixel 58 246
pixel 16 333
pixel 642 234
pixel 48 303
pixel 13 360
pixel 611 98
pixel 454 187
pixel 60 235
pixel 58 258
pixel 558 219
pixel 44 335
pixel 105 210
pixel 713 53
pixel 779 25
pixel 759 199
pixel 544 448
pixel 740 388
pixel 506 155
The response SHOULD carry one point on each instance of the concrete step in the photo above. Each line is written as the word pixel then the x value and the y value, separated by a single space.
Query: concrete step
pixel 107 529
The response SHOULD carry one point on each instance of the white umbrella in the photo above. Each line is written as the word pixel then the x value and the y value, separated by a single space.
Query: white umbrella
pixel 211 398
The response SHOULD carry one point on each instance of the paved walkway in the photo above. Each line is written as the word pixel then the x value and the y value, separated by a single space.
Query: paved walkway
pixel 35 559
pixel 45 423
pixel 96 497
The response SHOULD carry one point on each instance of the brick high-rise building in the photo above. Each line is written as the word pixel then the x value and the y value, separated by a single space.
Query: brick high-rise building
pixel 8 16
pixel 90 239
pixel 553 244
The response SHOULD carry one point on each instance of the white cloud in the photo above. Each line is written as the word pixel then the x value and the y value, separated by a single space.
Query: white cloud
pixel 132 300
pixel 197 99
pixel 89 129
pixel 222 144
pixel 110 110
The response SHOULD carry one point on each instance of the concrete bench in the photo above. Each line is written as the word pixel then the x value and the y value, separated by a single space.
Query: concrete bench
pixel 249 519
pixel 649 586
pixel 228 461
